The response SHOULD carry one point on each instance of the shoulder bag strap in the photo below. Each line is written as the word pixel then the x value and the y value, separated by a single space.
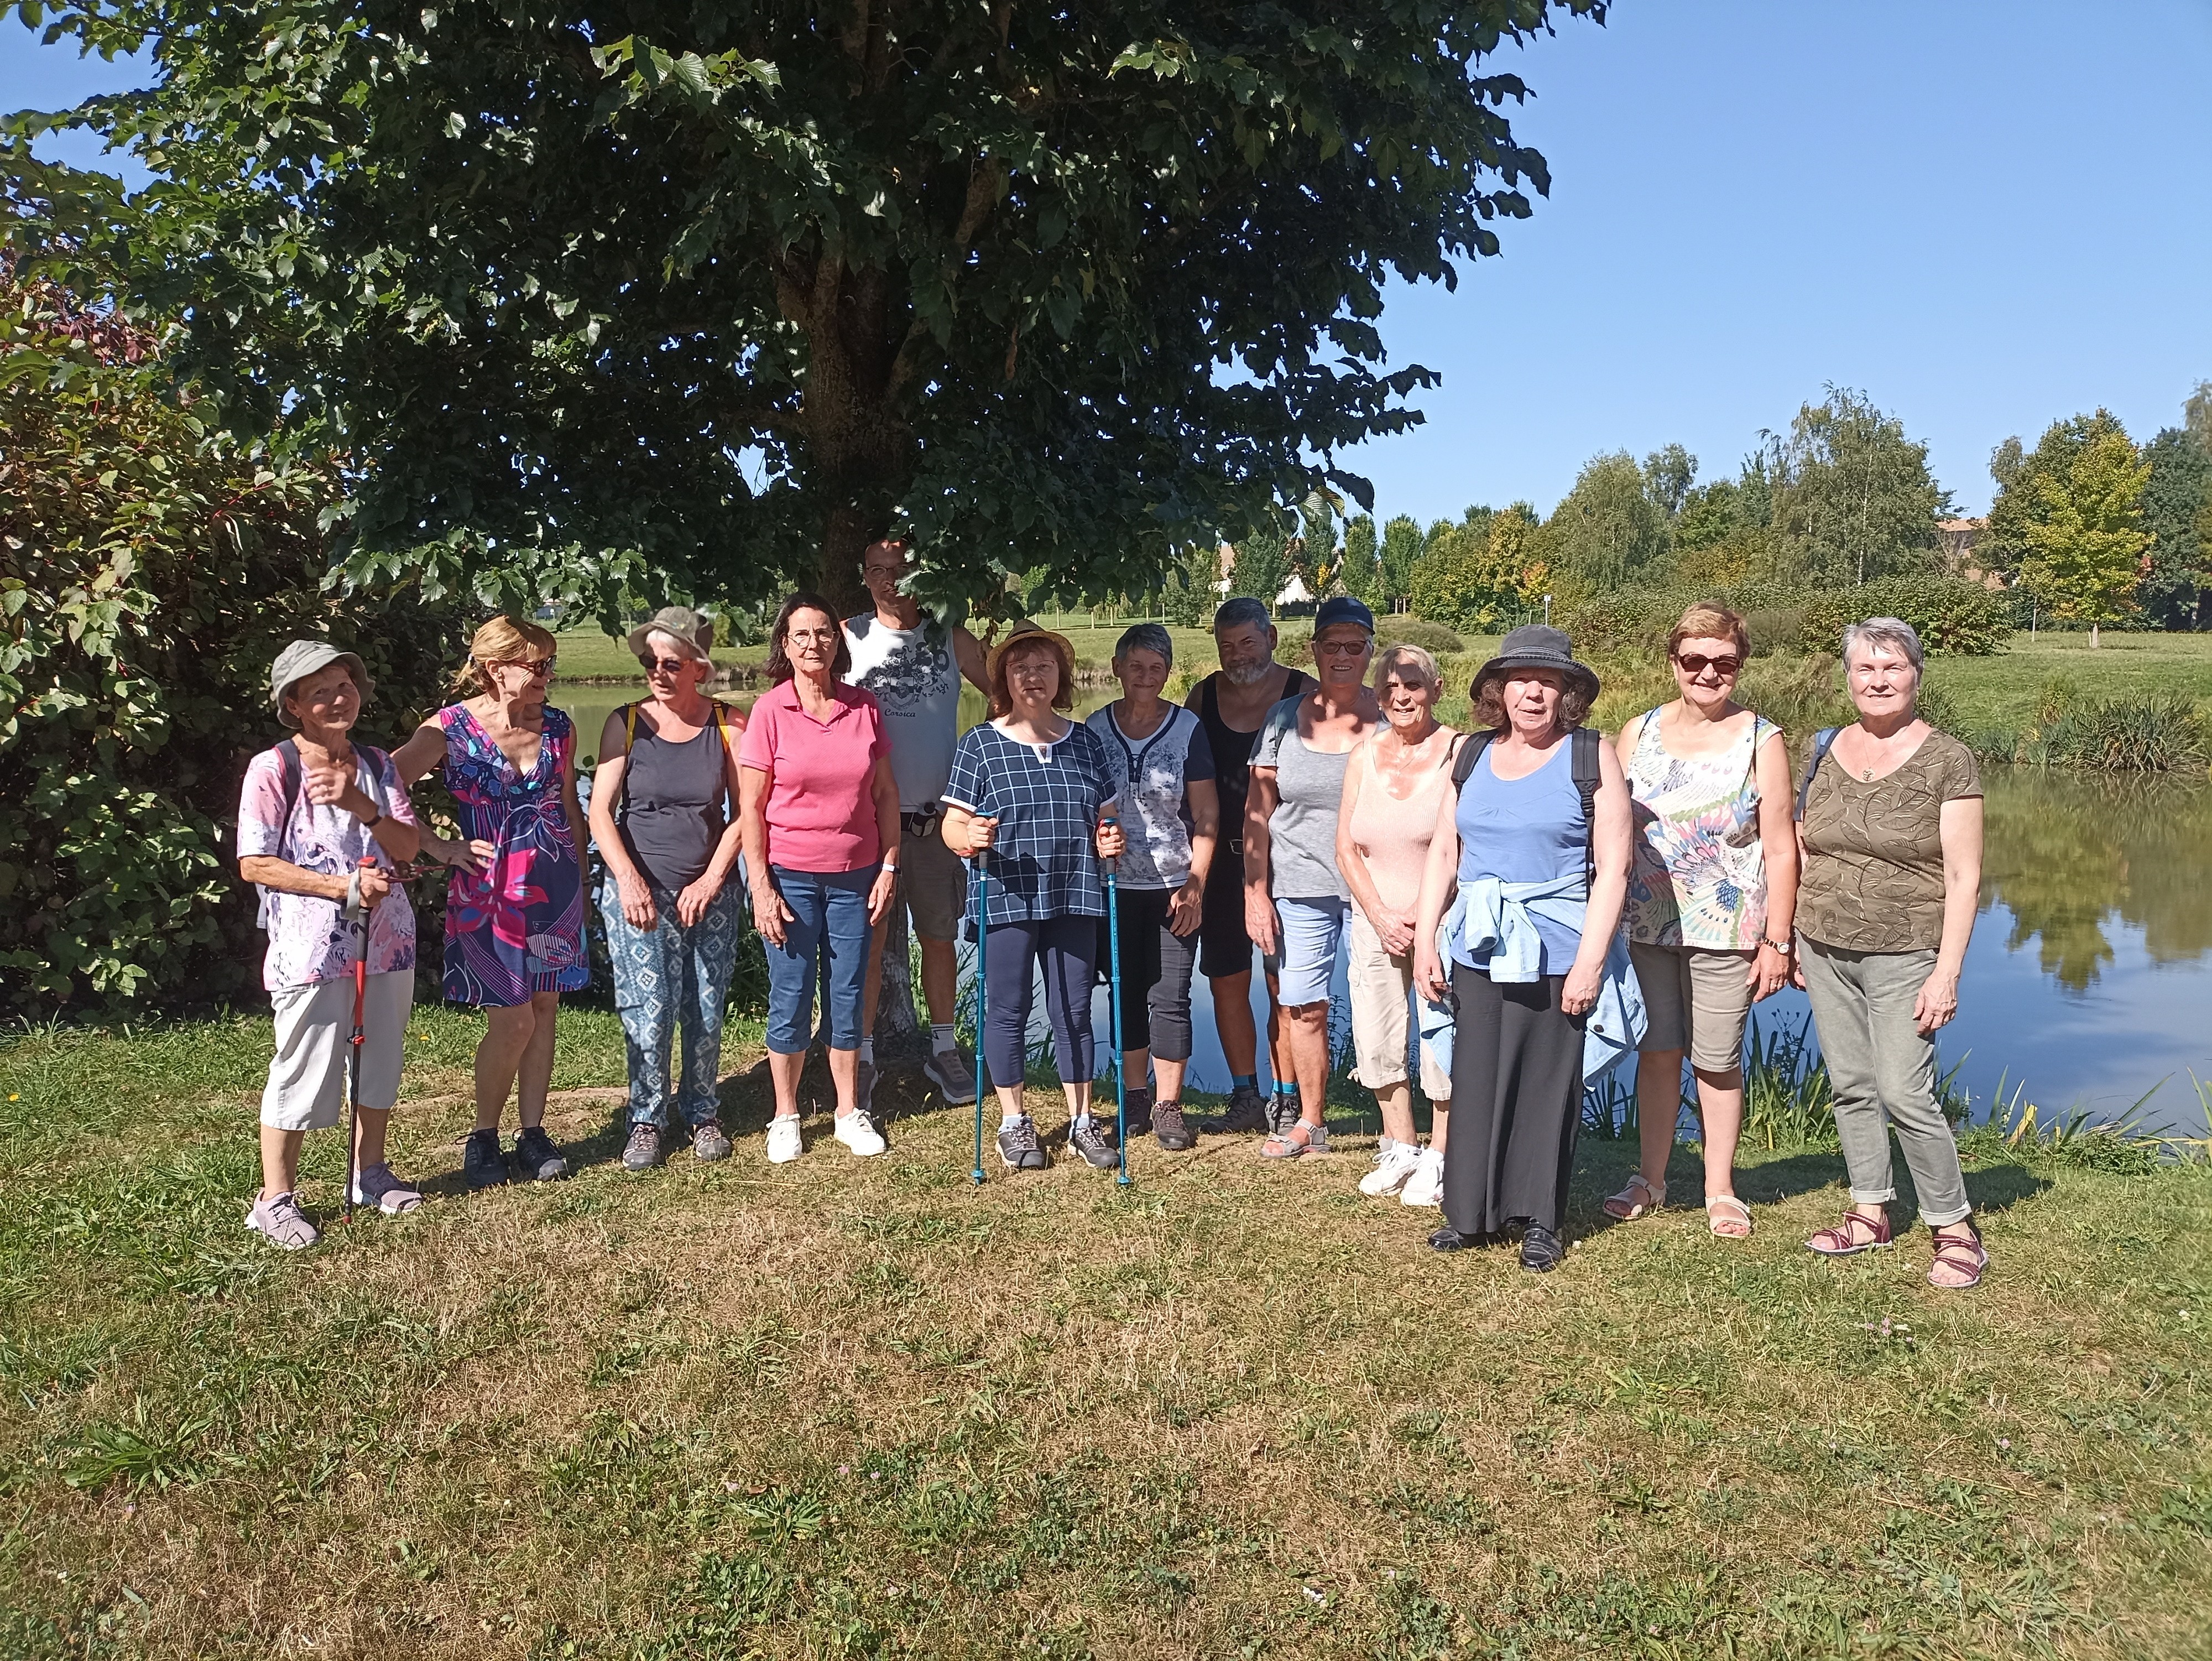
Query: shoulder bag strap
pixel 1588 774
pixel 1821 740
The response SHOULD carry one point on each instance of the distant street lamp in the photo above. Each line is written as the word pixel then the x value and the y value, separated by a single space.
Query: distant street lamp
pixel 1547 611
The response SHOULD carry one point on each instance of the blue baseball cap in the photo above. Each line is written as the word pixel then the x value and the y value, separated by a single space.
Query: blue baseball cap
pixel 1343 608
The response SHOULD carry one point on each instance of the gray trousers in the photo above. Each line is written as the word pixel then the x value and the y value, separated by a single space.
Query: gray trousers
pixel 1879 1064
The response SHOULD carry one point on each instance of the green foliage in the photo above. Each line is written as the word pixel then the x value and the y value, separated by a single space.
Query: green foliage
pixel 1479 576
pixel 2130 733
pixel 1853 500
pixel 2177 505
pixel 703 297
pixel 1361 569
pixel 1952 616
pixel 1669 474
pixel 1606 531
pixel 2085 555
pixel 1402 552
pixel 2019 503
pixel 1433 638
pixel 150 570
pixel 1188 596
pixel 1263 565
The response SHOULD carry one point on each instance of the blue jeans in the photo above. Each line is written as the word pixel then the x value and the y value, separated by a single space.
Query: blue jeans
pixel 833 903
pixel 666 975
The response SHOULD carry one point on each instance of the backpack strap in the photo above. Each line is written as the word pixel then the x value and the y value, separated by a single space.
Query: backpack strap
pixel 1821 741
pixel 1587 773
pixel 1469 753
pixel 290 772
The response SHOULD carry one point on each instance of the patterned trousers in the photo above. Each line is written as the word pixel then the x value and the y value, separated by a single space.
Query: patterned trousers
pixel 667 976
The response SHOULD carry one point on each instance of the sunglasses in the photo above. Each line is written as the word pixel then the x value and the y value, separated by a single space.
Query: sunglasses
pixel 1339 648
pixel 533 668
pixel 1696 663
pixel 664 666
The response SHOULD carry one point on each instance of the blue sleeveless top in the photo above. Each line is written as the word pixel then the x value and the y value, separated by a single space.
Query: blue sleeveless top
pixel 1528 830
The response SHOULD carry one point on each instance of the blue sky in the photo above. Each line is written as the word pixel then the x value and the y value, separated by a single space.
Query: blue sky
pixel 1989 214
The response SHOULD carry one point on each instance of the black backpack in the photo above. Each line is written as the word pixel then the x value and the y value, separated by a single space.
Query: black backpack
pixel 1582 757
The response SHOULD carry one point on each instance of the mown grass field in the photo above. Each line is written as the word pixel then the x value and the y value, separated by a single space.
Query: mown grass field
pixel 866 1410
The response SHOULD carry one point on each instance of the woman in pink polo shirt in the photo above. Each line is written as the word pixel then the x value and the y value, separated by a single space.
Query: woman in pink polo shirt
pixel 820 809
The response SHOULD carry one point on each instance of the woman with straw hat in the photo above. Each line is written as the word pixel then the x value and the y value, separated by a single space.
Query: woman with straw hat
pixel 661 819
pixel 1027 794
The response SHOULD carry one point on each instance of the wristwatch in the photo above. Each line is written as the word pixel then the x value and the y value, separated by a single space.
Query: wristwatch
pixel 1785 948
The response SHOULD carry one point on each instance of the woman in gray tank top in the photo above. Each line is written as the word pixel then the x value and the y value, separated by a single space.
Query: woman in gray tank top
pixel 660 796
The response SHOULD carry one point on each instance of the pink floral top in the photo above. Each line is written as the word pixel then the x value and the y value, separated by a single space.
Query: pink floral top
pixel 310 939
pixel 1698 876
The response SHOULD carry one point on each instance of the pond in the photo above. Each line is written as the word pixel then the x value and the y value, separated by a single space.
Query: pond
pixel 2089 979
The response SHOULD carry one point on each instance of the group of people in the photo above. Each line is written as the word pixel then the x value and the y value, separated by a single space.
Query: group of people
pixel 1516 906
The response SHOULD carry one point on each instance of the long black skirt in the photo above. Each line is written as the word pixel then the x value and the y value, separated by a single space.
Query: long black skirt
pixel 1516 1104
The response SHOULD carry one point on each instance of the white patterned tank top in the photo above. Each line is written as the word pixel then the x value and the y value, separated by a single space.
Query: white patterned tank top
pixel 1699 875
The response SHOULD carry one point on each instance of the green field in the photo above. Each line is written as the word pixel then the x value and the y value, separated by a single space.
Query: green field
pixel 842 1409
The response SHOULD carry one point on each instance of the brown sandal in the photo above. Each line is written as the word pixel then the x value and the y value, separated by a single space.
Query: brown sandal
pixel 1963 1253
pixel 1841 1242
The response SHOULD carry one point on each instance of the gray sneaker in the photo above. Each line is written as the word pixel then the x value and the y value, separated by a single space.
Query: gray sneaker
pixel 375 1185
pixel 953 1072
pixel 535 1159
pixel 1091 1141
pixel 1247 1112
pixel 1019 1148
pixel 643 1151
pixel 710 1142
pixel 1282 1112
pixel 279 1220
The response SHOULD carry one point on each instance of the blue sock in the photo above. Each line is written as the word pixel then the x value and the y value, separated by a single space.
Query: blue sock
pixel 1290 1090
pixel 1244 1081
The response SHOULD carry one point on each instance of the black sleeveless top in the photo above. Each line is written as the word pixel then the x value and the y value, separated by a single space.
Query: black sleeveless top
pixel 672 815
pixel 1232 755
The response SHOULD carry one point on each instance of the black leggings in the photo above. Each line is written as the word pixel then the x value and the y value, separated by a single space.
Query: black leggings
pixel 1156 967
pixel 1067 948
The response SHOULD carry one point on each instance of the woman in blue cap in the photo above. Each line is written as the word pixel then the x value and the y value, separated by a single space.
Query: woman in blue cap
pixel 1296 905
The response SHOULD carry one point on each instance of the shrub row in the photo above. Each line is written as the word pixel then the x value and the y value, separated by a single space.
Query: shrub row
pixel 1952 616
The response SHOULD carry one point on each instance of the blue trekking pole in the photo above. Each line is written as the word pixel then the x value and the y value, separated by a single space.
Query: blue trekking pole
pixel 1114 1006
pixel 982 1001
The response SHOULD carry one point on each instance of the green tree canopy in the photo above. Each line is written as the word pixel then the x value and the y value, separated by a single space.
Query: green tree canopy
pixel 1607 529
pixel 1402 552
pixel 606 294
pixel 1853 500
pixel 2019 504
pixel 1362 569
pixel 2177 512
pixel 2085 547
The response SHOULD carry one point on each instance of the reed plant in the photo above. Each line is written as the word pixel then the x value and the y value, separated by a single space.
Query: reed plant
pixel 2150 732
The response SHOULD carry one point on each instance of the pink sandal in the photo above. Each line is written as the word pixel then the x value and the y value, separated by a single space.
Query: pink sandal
pixel 1962 1253
pixel 1841 1242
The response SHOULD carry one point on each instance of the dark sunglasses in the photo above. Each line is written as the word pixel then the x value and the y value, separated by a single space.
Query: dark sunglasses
pixel 534 667
pixel 1694 664
pixel 665 666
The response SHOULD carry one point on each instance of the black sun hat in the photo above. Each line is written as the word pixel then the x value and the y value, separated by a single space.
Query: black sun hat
pixel 1540 645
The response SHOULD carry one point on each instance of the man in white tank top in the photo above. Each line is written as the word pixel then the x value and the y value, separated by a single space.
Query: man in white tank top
pixel 914 667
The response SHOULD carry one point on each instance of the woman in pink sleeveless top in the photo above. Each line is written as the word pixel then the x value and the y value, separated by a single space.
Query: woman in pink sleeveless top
pixel 1383 828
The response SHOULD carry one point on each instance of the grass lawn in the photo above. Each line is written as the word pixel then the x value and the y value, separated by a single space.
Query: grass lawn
pixel 835 1408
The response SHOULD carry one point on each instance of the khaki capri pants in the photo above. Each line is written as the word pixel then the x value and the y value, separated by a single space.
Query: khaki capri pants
pixel 1697 1000
pixel 1381 1019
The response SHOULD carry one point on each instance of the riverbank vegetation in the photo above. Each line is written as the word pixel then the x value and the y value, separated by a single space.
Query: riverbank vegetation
pixel 838 1408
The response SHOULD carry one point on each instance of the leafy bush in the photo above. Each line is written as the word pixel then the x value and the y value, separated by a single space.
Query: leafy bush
pixel 1953 617
pixel 149 572
pixel 1774 628
pixel 1431 637
pixel 2134 733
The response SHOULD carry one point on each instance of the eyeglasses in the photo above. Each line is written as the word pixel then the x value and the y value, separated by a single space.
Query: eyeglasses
pixel 811 636
pixel 664 666
pixel 1696 663
pixel 1338 648
pixel 536 668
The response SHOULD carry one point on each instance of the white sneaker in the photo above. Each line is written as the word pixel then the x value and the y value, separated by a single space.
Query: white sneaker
pixel 783 1143
pixel 1394 1163
pixel 859 1134
pixel 1425 1187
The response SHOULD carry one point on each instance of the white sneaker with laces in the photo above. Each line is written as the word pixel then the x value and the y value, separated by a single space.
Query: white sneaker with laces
pixel 1393 1164
pixel 1425 1187
pixel 859 1132
pixel 278 1220
pixel 783 1143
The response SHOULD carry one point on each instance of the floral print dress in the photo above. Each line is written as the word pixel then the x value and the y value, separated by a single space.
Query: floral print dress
pixel 1698 876
pixel 518 927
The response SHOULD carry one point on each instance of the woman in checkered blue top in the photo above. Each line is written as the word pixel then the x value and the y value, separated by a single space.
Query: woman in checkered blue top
pixel 1031 792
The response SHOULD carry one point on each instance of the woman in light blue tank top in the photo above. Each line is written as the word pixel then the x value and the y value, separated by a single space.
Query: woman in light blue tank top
pixel 1546 879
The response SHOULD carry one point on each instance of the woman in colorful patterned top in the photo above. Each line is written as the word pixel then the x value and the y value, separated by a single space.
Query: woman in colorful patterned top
pixel 515 925
pixel 1027 791
pixel 1712 889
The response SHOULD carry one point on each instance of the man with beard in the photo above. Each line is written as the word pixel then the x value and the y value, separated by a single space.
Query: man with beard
pixel 1233 704
pixel 915 666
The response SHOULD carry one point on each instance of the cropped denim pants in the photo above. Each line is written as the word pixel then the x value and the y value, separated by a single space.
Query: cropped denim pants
pixel 667 976
pixel 826 905
pixel 1880 1065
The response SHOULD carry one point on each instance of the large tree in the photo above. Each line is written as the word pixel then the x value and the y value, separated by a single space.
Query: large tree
pixel 2019 472
pixel 1606 531
pixel 2178 512
pixel 1853 500
pixel 605 294
pixel 2085 550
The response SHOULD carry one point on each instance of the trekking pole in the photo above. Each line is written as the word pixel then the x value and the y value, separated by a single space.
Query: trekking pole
pixel 1112 816
pixel 982 999
pixel 354 1043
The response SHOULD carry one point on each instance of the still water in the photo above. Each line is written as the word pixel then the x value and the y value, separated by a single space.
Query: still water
pixel 2090 975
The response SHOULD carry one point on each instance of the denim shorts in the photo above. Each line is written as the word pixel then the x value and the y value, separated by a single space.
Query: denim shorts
pixel 831 905
pixel 1312 934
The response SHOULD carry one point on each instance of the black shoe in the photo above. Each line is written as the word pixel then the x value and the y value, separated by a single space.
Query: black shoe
pixel 535 1159
pixel 1450 1239
pixel 1542 1250
pixel 1137 1112
pixel 482 1164
pixel 643 1151
pixel 1247 1112
pixel 1169 1125
pixel 1019 1148
pixel 1091 1142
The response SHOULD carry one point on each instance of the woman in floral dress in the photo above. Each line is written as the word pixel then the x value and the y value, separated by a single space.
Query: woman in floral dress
pixel 514 914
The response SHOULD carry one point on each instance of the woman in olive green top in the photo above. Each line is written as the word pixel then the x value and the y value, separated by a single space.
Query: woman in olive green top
pixel 1891 829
